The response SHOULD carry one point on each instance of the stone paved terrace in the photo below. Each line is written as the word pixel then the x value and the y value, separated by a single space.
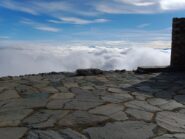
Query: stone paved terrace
pixel 115 105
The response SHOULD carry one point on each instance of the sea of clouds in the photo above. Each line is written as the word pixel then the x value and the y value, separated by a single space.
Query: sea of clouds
pixel 23 58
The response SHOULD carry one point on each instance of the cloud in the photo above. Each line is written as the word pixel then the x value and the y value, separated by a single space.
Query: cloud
pixel 45 28
pixel 138 6
pixel 126 7
pixel 39 26
pixel 172 4
pixel 58 8
pixel 37 7
pixel 74 20
pixel 138 2
pixel 143 25
pixel 54 8
pixel 24 58
pixel 65 11
pixel 17 6
pixel 72 10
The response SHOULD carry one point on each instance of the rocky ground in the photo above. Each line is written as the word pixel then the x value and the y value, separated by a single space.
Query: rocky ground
pixel 113 105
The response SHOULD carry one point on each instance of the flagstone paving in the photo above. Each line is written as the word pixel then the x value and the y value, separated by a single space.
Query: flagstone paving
pixel 112 105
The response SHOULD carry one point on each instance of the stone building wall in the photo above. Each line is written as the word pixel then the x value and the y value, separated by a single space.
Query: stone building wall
pixel 178 43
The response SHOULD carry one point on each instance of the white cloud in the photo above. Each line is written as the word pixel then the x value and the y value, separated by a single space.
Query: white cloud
pixel 172 4
pixel 39 26
pixel 53 8
pixel 74 20
pixel 56 8
pixel 29 58
pixel 138 2
pixel 117 7
pixel 18 6
pixel 45 28
pixel 37 7
pixel 143 25
pixel 139 6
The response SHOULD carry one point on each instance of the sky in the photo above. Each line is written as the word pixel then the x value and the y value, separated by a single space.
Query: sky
pixel 95 20
pixel 64 35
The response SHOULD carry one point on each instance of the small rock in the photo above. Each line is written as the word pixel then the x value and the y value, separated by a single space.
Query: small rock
pixel 142 105
pixel 117 97
pixel 88 72
pixel 139 114
pixel 81 118
pixel 107 110
pixel 115 90
pixel 119 116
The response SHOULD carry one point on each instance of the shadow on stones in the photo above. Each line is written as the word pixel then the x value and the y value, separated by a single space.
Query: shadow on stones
pixel 165 85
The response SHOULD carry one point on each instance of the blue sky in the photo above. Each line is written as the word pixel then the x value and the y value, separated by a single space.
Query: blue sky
pixel 61 20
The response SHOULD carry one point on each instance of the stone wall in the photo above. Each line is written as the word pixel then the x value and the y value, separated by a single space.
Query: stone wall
pixel 178 43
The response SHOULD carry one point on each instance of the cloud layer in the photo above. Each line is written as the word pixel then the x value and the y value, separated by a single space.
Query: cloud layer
pixel 138 6
pixel 39 26
pixel 71 8
pixel 172 4
pixel 21 60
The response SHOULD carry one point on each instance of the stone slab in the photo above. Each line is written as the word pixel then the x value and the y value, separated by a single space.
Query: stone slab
pixel 12 132
pixel 122 130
